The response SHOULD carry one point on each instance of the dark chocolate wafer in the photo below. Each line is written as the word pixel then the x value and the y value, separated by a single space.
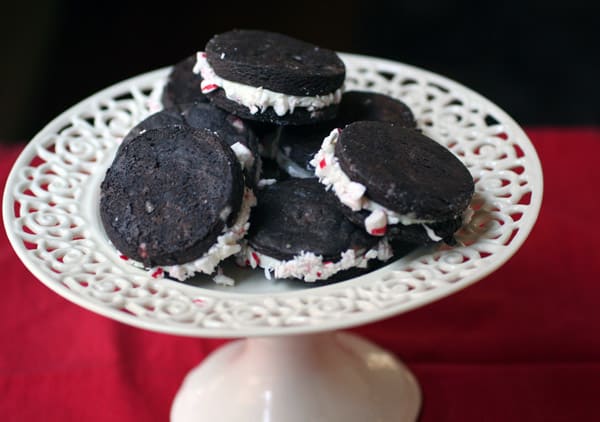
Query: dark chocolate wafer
pixel 169 194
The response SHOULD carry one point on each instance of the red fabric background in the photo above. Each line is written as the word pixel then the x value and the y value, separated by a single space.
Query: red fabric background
pixel 523 344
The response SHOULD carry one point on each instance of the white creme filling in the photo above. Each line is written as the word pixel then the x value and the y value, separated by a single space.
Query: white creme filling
pixel 226 245
pixel 310 267
pixel 258 99
pixel 352 194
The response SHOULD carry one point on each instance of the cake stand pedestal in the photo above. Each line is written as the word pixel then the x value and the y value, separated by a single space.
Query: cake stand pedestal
pixel 332 376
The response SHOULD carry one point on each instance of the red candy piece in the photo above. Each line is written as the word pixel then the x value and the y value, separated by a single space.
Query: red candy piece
pixel 322 163
pixel 157 273
pixel 379 231
pixel 256 258
pixel 210 87
pixel 123 257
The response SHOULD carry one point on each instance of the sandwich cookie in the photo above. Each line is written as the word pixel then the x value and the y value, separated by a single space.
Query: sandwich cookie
pixel 298 231
pixel 233 130
pixel 298 144
pixel 183 85
pixel 174 201
pixel 385 174
pixel 271 77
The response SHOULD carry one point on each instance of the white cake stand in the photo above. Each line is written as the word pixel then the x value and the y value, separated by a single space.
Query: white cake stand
pixel 293 366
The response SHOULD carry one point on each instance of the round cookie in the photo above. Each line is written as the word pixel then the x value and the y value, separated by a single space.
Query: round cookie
pixel 183 85
pixel 271 77
pixel 298 144
pixel 230 128
pixel 169 195
pixel 298 231
pixel 387 175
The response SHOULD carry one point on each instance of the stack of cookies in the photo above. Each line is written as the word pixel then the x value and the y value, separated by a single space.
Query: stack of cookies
pixel 260 156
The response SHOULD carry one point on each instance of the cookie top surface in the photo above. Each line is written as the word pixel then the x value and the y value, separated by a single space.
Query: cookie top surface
pixel 183 85
pixel 404 170
pixel 230 128
pixel 169 193
pixel 275 62
pixel 298 215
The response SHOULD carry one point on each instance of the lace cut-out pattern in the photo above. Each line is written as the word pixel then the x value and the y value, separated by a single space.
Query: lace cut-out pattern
pixel 52 219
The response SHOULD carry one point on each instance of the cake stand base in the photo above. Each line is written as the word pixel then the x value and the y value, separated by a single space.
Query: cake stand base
pixel 317 377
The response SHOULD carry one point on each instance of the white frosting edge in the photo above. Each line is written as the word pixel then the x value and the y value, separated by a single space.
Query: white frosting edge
pixel 431 233
pixel 310 267
pixel 243 154
pixel 227 244
pixel 352 194
pixel 258 99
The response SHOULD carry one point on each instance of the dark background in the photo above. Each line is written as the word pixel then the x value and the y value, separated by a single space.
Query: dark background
pixel 537 60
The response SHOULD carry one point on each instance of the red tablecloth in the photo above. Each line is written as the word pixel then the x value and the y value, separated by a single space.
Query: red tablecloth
pixel 523 344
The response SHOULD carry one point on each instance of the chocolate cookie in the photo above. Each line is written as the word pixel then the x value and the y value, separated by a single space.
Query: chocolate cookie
pixel 405 170
pixel 169 194
pixel 298 144
pixel 183 85
pixel 271 77
pixel 298 231
pixel 230 128
pixel 398 175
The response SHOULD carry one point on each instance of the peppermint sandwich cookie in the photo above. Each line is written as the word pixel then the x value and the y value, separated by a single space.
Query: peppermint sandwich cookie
pixel 385 174
pixel 298 144
pixel 233 130
pixel 271 77
pixel 298 231
pixel 174 201
pixel 183 85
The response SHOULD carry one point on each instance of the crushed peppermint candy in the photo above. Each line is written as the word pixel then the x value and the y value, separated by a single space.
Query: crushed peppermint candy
pixel 208 87
pixel 243 154
pixel 310 267
pixel 431 233
pixel 157 273
pixel 376 223
pixel 222 279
